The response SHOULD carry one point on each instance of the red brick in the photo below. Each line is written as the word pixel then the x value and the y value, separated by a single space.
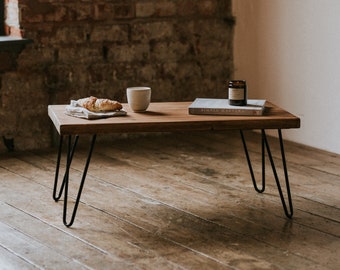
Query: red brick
pixel 182 48
pixel 187 7
pixel 123 11
pixel 207 7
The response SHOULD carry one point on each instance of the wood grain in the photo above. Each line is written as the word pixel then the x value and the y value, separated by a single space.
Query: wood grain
pixel 171 201
pixel 170 117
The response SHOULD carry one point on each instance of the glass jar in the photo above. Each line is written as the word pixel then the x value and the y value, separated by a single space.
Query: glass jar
pixel 237 92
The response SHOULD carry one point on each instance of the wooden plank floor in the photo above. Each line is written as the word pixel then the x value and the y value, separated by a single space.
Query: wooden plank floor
pixel 171 201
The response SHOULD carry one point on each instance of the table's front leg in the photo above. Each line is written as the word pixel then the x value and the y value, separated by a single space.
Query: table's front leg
pixel 64 185
pixel 265 146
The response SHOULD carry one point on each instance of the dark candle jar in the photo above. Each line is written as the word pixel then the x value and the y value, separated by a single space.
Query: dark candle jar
pixel 237 92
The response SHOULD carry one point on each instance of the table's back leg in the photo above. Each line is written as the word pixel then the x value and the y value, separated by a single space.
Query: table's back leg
pixel 56 176
pixel 55 188
pixel 260 190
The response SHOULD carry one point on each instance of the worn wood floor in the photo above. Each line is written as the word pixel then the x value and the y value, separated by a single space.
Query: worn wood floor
pixel 171 201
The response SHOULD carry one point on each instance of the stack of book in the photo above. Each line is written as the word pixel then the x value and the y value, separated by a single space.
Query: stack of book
pixel 216 106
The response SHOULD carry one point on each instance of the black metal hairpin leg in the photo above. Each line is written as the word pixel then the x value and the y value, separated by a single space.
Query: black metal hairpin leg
pixel 260 190
pixel 65 182
pixel 265 144
pixel 55 196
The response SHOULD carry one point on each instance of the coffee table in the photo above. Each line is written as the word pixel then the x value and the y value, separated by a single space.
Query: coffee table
pixel 168 117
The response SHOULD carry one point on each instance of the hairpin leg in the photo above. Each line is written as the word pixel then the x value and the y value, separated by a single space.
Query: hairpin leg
pixel 265 144
pixel 55 196
pixel 260 190
pixel 65 182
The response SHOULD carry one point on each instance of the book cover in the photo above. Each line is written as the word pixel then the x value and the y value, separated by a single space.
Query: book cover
pixel 216 106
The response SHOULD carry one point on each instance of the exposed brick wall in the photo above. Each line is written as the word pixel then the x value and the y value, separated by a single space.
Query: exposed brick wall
pixel 181 48
pixel 7 61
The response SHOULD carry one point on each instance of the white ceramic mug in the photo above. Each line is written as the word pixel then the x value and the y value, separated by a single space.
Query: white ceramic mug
pixel 138 98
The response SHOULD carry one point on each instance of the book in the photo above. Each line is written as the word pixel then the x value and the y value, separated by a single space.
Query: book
pixel 214 106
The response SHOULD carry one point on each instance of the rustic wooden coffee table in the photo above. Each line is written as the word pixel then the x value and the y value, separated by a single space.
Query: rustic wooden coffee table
pixel 168 117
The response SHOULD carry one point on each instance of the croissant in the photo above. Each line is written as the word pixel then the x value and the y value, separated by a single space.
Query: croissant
pixel 94 104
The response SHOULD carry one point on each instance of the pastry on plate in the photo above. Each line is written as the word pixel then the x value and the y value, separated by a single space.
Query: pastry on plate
pixel 94 104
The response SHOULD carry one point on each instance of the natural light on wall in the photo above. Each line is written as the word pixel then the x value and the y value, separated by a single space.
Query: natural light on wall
pixel 12 18
pixel 288 51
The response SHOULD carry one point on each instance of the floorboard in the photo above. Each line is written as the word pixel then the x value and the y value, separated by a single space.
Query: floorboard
pixel 171 201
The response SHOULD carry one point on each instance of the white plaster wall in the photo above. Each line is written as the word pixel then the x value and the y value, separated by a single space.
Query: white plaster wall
pixel 289 53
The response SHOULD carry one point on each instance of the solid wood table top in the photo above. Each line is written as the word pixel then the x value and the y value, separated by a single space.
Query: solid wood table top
pixel 169 117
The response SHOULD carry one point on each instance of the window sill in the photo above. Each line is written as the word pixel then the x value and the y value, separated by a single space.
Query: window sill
pixel 13 44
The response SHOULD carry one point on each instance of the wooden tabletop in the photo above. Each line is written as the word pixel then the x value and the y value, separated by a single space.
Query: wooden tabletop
pixel 169 117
